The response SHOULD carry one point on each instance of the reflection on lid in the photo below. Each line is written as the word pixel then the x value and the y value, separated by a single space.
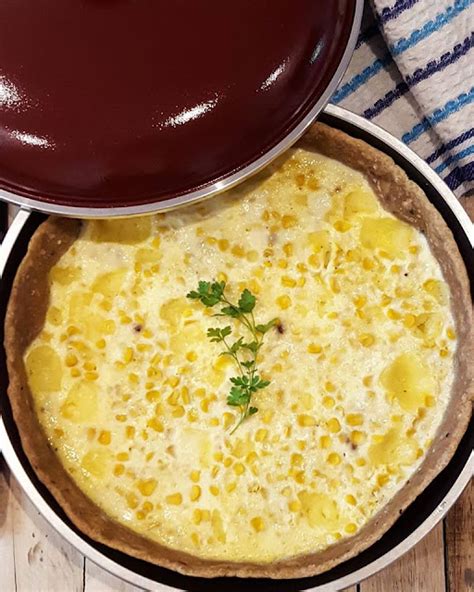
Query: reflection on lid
pixel 9 95
pixel 317 50
pixel 274 76
pixel 31 139
pixel 190 114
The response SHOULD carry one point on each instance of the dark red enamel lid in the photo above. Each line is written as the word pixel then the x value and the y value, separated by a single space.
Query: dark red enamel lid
pixel 123 103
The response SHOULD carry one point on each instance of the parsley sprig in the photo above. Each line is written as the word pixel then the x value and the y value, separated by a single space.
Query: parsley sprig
pixel 244 353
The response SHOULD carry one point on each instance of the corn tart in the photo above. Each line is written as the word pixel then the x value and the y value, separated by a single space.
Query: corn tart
pixel 120 398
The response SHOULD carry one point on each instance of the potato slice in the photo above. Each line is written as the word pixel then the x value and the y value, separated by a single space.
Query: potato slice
pixel 408 381
pixel 387 234
pixel 81 404
pixel 128 231
pixel 44 370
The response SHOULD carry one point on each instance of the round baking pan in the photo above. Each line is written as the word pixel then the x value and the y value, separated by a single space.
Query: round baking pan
pixel 122 108
pixel 421 516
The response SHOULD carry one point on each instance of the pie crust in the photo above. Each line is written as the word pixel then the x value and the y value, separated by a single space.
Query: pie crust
pixel 25 318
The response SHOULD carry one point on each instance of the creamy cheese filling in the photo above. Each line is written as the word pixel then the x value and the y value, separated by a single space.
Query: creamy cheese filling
pixel 132 394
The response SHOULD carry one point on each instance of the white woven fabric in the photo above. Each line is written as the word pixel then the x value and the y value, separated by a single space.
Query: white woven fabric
pixel 413 74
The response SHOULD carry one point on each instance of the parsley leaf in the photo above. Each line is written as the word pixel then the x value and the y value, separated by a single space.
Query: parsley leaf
pixel 244 353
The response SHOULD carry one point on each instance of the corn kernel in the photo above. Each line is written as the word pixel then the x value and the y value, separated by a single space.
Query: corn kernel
pixel 367 340
pixel 133 378
pixel 91 376
pixel 444 353
pixel 152 396
pixel 283 302
pixel 261 435
pixel 132 501
pixel 314 348
pixel 409 321
pixel 223 245
pixel 451 333
pixel 328 402
pixel 214 490
pixel 288 221
pixel 239 469
pixel 175 499
pixel 179 411
pixel 325 442
pixel 299 477
pixel 288 282
pixel 382 480
pixel 230 487
pixel 192 416
pixel 251 457
pixel 257 524
pixel 119 469
pixel 195 493
pixel 351 528
pixel 71 360
pixel 329 386
pixel 147 486
pixel 130 432
pixel 197 516
pixel 294 506
pixel 430 401
pixel 333 425
pixel 306 421
pixel 334 458
pixel 393 314
pixel 296 459
pixel 155 424
pixel 357 437
pixel 341 226
pixel 105 437
pixel 360 301
pixel 350 499
pixel 368 264
pixel 355 419
pixel 238 251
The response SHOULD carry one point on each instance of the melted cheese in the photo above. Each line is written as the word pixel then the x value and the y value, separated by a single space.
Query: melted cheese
pixel 132 394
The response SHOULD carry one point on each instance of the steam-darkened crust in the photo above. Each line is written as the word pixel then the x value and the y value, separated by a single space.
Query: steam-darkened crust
pixel 25 318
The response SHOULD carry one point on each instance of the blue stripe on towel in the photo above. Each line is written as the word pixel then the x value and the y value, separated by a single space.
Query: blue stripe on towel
pixel 460 175
pixel 419 75
pixel 356 82
pixel 454 158
pixel 439 115
pixel 449 145
pixel 430 27
pixel 390 13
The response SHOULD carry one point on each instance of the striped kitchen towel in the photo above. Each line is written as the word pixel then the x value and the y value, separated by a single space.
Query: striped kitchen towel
pixel 412 73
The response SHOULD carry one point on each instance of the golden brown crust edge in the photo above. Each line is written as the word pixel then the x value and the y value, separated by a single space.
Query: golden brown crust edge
pixel 30 293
